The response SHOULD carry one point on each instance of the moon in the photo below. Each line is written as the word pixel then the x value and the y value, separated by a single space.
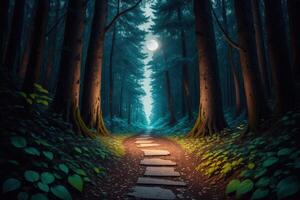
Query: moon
pixel 152 45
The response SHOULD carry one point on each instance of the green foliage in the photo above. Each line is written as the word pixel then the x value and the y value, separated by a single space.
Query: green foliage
pixel 38 97
pixel 39 196
pixel 287 187
pixel 270 161
pixel 243 188
pixel 31 176
pixel 11 184
pixel 23 196
pixel 63 168
pixel 260 194
pixel 48 154
pixel 61 192
pixel 42 186
pixel 32 151
pixel 76 181
pixel 232 186
pixel 263 182
pixel 47 178
pixel 18 141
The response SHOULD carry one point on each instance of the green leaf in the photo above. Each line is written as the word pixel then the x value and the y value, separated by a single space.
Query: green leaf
pixel 232 186
pixel 63 168
pixel 251 165
pixel 32 151
pixel 61 192
pixel 18 141
pixel 284 152
pixel 243 188
pixel 270 161
pixel 42 102
pixel 260 194
pixel 42 186
pixel 263 182
pixel 260 172
pixel 287 187
pixel 97 170
pixel 48 154
pixel 47 178
pixel 80 172
pixel 23 196
pixel 78 150
pixel 39 196
pixel 14 162
pixel 31 176
pixel 23 94
pixel 76 181
pixel 10 184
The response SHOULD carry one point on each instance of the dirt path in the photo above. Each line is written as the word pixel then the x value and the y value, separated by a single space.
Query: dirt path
pixel 122 179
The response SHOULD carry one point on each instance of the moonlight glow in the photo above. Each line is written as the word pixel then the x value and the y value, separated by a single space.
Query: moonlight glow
pixel 152 45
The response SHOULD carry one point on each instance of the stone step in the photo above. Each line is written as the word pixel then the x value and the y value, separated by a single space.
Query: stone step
pixel 152 193
pixel 144 141
pixel 161 172
pixel 157 162
pixel 158 181
pixel 155 152
pixel 148 145
pixel 143 138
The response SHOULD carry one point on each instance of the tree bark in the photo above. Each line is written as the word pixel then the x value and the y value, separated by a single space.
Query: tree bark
pixel 260 47
pixel 294 21
pixel 210 117
pixel 4 6
pixel 248 59
pixel 170 98
pixel 91 98
pixel 36 53
pixel 66 100
pixel 279 57
pixel 110 66
pixel 15 35
pixel 185 75
pixel 232 67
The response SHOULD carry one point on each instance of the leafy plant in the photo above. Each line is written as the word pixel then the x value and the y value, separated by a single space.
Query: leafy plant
pixel 40 96
pixel 76 181
pixel 31 176
pixel 61 192
pixel 10 184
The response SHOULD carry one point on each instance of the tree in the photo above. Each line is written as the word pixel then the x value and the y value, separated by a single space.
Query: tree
pixel 294 21
pixel 4 6
pixel 91 98
pixel 15 35
pixel 260 46
pixel 279 57
pixel 66 101
pixel 37 46
pixel 210 116
pixel 248 59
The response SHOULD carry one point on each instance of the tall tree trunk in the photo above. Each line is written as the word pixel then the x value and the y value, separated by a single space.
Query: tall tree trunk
pixel 66 101
pixel 4 16
pixel 15 35
pixel 210 117
pixel 121 97
pixel 260 47
pixel 248 59
pixel 111 81
pixel 36 53
pixel 279 58
pixel 170 99
pixel 185 75
pixel 232 67
pixel 129 113
pixel 91 98
pixel 294 21
pixel 52 42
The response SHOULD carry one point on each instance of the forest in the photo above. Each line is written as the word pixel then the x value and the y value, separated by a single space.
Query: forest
pixel 149 99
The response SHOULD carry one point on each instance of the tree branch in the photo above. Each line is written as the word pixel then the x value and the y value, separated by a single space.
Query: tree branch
pixel 225 35
pixel 120 14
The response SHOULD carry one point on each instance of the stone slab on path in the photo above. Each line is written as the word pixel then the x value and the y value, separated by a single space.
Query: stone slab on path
pixel 161 171
pixel 157 162
pixel 148 145
pixel 159 181
pixel 143 138
pixel 155 152
pixel 152 193
pixel 144 141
